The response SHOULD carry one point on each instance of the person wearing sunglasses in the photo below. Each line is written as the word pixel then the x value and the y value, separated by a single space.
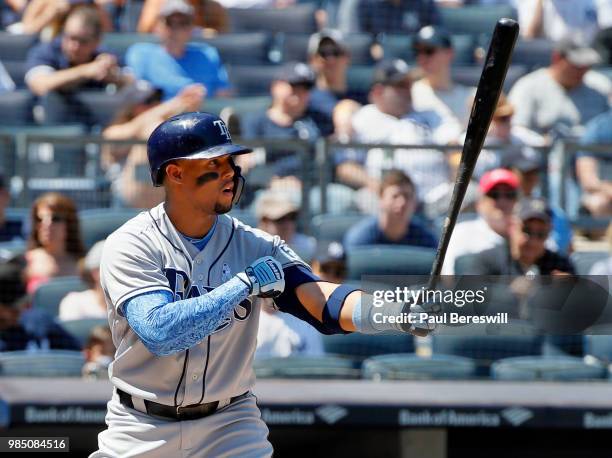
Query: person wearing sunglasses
pixel 176 63
pixel 54 245
pixel 499 192
pixel 525 250
pixel 436 90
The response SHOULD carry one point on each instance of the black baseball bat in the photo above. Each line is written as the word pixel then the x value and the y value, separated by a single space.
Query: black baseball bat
pixel 487 94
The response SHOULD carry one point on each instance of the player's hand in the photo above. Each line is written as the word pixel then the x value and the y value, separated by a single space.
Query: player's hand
pixel 422 320
pixel 265 277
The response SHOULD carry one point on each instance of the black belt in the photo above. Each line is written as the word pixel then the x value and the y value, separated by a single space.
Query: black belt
pixel 177 412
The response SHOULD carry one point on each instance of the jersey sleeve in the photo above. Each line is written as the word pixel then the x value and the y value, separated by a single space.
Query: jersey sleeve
pixel 130 266
pixel 285 255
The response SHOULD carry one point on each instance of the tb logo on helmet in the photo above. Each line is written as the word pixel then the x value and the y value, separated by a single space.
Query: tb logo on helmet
pixel 223 128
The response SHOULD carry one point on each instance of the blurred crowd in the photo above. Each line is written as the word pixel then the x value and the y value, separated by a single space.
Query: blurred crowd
pixel 394 143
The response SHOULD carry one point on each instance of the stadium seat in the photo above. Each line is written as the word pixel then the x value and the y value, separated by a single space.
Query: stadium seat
pixel 296 367
pixel 48 296
pixel 360 346
pixel 239 105
pixel 15 46
pixel 598 343
pixel 97 224
pixel 48 363
pixel 118 43
pixel 470 76
pixel 359 78
pixel 400 46
pixel 249 48
pixel 16 108
pixel 100 107
pixel 584 260
pixel 329 227
pixel 475 19
pixel 389 260
pixel 252 80
pixel 412 367
pixel 16 70
pixel 292 19
pixel 82 328
pixel 560 368
pixel 87 193
pixel 295 47
pixel 533 53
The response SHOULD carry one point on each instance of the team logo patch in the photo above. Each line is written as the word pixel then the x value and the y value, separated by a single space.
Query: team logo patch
pixel 226 273
pixel 223 128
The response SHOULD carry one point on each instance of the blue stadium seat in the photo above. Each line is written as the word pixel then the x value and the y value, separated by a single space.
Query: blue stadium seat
pixel 295 47
pixel 86 193
pixel 360 346
pixel 412 367
pixel 16 70
pixel 11 250
pixel 585 260
pixel 97 224
pixel 598 343
pixel 475 19
pixel 296 367
pixel 118 43
pixel 240 105
pixel 48 296
pixel 16 108
pixel 248 48
pixel 533 53
pixel 15 46
pixel 330 227
pixel 82 328
pixel 359 78
pixel 293 19
pixel 389 260
pixel 470 76
pixel 252 80
pixel 48 363
pixel 560 368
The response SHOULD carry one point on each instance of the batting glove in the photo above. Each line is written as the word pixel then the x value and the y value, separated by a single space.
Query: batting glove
pixel 264 277
pixel 421 318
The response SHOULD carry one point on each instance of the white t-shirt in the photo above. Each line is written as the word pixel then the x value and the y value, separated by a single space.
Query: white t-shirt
pixel 469 237
pixel 81 305
pixel 426 167
pixel 281 335
pixel 452 105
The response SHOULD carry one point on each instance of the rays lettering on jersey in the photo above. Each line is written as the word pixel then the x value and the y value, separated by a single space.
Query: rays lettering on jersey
pixel 179 283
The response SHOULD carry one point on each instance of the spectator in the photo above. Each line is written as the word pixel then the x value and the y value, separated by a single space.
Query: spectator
pixel 499 194
pixel 390 119
pixel 55 245
pixel 99 351
pixel 128 168
pixel 9 229
pixel 394 223
pixel 594 171
pixel 560 97
pixel 176 63
pixel 525 251
pixel 329 57
pixel 210 17
pixel 437 91
pixel 605 267
pixel 6 82
pixel 329 262
pixel 528 170
pixel 22 328
pixel 277 215
pixel 555 19
pixel 89 303
pixel 73 61
pixel 386 16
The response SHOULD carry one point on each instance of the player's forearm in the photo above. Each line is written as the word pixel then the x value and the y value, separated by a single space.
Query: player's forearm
pixel 166 326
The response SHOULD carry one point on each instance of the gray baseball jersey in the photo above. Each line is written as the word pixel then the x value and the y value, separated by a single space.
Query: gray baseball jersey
pixel 148 254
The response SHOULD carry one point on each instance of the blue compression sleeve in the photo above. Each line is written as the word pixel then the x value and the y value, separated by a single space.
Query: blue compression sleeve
pixel 166 326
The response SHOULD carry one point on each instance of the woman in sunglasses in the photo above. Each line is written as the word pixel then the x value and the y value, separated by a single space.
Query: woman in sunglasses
pixel 54 245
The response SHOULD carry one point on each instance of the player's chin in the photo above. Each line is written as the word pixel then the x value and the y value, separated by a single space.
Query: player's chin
pixel 223 207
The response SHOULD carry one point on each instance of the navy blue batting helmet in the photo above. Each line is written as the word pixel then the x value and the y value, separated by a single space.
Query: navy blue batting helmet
pixel 191 136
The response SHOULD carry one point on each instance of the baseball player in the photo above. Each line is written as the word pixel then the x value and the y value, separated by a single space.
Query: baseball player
pixel 184 283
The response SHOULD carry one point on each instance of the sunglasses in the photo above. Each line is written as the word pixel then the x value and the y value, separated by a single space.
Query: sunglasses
pixel 503 119
pixel 425 51
pixel 54 219
pixel 178 23
pixel 327 53
pixel 496 195
pixel 540 235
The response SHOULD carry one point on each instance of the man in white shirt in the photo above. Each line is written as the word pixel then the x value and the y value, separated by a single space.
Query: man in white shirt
pixel 499 194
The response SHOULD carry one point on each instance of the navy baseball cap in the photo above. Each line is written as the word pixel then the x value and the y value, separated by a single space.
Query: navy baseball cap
pixel 330 252
pixel 534 209
pixel 434 37
pixel 296 73
pixel 392 72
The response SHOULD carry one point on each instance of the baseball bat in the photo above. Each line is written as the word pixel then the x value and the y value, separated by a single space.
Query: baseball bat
pixel 485 102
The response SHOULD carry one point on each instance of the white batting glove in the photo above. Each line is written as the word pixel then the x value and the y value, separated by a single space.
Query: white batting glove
pixel 264 277
pixel 421 318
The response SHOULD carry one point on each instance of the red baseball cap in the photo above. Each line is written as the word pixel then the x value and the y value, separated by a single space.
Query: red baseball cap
pixel 498 176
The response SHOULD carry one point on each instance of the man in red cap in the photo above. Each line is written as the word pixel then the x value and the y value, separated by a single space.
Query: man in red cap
pixel 499 193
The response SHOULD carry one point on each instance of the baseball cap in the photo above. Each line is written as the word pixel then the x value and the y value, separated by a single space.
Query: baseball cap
pixel 330 252
pixel 176 7
pixel 578 52
pixel 533 208
pixel 296 73
pixel 391 72
pixel 332 35
pixel 94 256
pixel 435 37
pixel 273 206
pixel 498 176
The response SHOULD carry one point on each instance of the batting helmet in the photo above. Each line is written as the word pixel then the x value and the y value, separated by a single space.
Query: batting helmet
pixel 192 136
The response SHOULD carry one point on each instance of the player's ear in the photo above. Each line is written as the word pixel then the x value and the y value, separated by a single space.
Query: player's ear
pixel 174 172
